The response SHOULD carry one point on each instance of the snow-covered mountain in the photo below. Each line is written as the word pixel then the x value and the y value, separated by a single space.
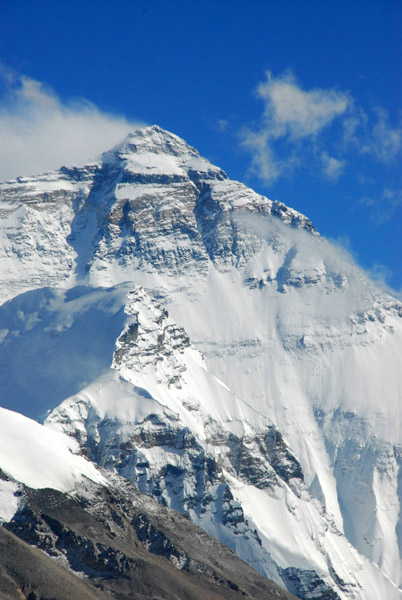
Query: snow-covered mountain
pixel 207 344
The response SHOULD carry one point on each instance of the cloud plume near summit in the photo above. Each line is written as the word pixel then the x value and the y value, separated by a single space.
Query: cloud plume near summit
pixel 40 132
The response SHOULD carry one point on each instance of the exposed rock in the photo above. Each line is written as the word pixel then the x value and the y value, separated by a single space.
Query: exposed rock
pixel 120 544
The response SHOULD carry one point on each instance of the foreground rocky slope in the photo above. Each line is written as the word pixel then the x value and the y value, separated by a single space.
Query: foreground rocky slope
pixel 122 546
pixel 27 573
pixel 298 450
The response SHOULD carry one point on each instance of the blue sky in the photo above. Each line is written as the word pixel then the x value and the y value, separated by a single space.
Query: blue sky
pixel 299 100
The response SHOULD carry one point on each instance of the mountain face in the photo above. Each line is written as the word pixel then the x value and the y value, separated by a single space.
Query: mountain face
pixel 208 345
pixel 107 539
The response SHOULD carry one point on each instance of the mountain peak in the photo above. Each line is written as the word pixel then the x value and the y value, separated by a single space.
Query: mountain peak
pixel 156 155
pixel 154 140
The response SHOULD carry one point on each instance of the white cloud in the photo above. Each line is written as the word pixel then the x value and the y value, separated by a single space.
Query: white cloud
pixel 306 128
pixel 332 167
pixel 381 274
pixel 39 132
pixel 354 127
pixel 265 164
pixel 293 119
pixel 290 110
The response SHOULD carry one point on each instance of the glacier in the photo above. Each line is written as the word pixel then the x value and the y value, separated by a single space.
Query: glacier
pixel 208 344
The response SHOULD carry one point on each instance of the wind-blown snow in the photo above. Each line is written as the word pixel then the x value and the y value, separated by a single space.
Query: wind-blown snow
pixel 54 343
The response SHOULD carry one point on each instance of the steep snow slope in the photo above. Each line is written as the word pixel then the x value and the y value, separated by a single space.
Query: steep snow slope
pixel 282 317
pixel 38 457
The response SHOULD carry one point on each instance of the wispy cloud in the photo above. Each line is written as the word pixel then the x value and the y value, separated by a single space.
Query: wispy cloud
pixel 293 130
pixel 384 207
pixel 293 118
pixel 265 162
pixel 222 125
pixel 373 134
pixel 385 141
pixel 332 167
pixel 39 132
pixel 377 272
pixel 381 274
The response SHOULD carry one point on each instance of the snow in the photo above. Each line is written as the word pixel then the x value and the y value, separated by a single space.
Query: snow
pixel 299 543
pixel 152 151
pixel 153 163
pixel 112 396
pixel 9 501
pixel 39 457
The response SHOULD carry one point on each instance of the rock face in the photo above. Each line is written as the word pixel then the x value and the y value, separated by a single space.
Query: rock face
pixel 283 438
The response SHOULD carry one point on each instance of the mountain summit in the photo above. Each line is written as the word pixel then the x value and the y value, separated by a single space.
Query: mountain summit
pixel 207 344
pixel 153 152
